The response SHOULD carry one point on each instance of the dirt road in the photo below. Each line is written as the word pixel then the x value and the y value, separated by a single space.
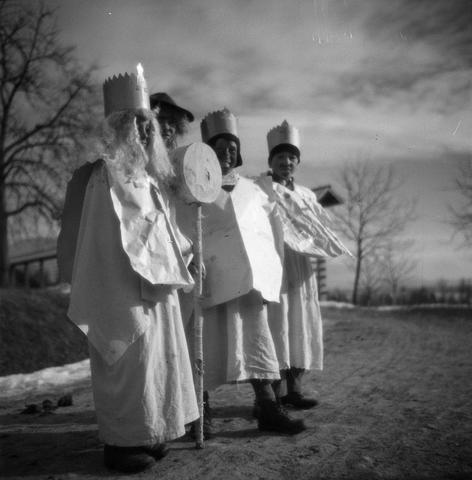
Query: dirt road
pixel 395 403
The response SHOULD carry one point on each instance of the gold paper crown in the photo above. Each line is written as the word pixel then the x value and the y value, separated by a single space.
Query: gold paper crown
pixel 123 92
pixel 216 123
pixel 283 134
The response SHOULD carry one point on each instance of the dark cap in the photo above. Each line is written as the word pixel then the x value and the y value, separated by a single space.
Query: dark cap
pixel 161 98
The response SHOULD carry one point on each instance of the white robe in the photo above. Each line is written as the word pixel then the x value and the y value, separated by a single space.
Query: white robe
pixel 243 272
pixel 148 395
pixel 240 250
pixel 295 322
pixel 125 275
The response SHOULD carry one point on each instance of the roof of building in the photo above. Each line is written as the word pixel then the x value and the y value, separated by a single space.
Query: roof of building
pixel 327 196
pixel 30 249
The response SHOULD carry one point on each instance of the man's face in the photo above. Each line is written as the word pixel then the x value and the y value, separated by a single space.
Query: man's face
pixel 284 164
pixel 168 126
pixel 227 153
pixel 145 128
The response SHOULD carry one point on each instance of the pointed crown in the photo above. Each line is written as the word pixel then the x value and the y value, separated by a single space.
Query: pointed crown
pixel 123 92
pixel 284 134
pixel 216 123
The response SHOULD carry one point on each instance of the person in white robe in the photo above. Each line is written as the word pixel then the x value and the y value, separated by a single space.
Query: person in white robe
pixel 295 321
pixel 243 273
pixel 125 259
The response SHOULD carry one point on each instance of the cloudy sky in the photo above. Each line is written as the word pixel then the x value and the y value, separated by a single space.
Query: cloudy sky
pixel 387 80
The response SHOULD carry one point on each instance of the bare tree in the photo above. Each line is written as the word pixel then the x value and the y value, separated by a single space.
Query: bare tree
pixel 45 109
pixel 373 213
pixel 370 281
pixel 396 265
pixel 464 289
pixel 461 215
pixel 442 290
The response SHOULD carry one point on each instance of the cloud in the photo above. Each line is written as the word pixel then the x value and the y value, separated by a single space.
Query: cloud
pixel 389 79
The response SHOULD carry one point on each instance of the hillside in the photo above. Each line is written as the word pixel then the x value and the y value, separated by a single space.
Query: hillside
pixel 35 332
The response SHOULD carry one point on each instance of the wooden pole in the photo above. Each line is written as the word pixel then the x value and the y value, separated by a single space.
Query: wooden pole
pixel 198 334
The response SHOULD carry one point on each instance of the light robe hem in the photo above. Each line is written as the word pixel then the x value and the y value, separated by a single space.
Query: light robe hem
pixel 318 367
pixel 255 376
pixel 307 369
pixel 152 440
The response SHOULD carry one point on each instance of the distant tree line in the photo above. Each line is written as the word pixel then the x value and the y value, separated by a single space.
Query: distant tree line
pixel 442 292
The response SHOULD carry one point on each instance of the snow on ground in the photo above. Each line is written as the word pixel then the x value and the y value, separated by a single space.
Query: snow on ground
pixel 429 306
pixel 387 308
pixel 49 380
pixel 332 303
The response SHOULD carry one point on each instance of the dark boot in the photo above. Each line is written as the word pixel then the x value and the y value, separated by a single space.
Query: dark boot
pixel 277 389
pixel 255 409
pixel 207 420
pixel 273 417
pixel 295 397
pixel 127 459
pixel 276 386
pixel 157 451
pixel 262 391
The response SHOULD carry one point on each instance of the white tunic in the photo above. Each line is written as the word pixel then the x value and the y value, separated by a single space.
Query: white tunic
pixel 239 249
pixel 295 322
pixel 126 250
pixel 237 342
pixel 243 270
pixel 148 395
pixel 141 372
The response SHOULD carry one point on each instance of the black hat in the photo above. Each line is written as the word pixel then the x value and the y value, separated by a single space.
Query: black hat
pixel 161 98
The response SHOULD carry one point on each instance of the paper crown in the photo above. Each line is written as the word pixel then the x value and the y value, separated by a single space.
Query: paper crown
pixel 123 92
pixel 285 134
pixel 216 123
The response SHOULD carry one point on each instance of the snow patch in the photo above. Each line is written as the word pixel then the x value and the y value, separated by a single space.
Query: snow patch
pixel 332 303
pixel 48 380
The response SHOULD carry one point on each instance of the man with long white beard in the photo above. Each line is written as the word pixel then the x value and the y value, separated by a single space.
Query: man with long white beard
pixel 125 269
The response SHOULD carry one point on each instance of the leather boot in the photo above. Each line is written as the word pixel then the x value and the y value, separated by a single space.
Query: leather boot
pixel 262 391
pixel 127 459
pixel 157 451
pixel 276 386
pixel 295 397
pixel 273 417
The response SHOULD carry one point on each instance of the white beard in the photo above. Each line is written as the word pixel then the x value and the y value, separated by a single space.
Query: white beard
pixel 159 165
pixel 124 152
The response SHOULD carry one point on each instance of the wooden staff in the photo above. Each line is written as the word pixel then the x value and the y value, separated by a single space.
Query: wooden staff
pixel 198 327
pixel 199 175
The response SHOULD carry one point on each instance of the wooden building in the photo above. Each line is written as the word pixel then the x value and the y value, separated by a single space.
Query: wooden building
pixel 33 263
pixel 327 198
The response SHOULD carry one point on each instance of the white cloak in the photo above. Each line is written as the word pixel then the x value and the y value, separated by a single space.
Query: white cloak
pixel 243 270
pixel 240 252
pixel 295 322
pixel 126 271
pixel 126 250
